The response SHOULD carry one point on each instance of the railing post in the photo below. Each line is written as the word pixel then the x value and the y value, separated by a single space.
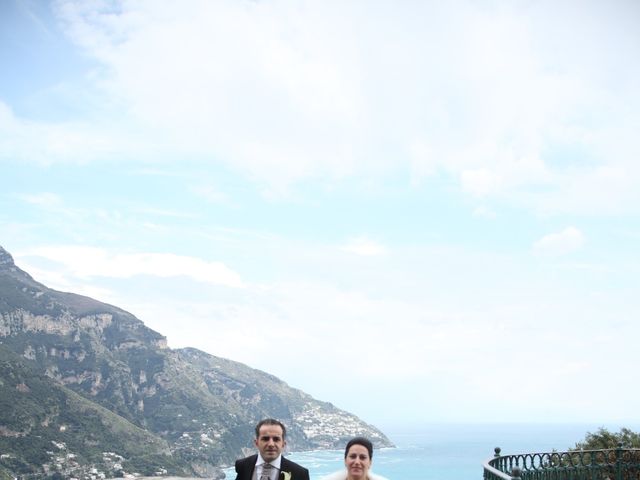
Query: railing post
pixel 516 473
pixel 496 455
pixel 619 461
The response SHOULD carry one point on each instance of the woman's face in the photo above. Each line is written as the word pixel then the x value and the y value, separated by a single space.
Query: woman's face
pixel 357 462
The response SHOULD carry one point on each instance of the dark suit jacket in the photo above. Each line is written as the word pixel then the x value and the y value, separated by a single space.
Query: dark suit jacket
pixel 245 466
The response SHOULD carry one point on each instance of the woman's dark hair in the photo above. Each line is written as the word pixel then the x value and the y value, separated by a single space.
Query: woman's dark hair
pixel 359 441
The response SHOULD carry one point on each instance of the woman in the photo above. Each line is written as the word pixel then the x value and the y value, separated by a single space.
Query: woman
pixel 358 456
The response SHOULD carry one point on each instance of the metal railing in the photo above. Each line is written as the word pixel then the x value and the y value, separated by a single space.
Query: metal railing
pixel 612 464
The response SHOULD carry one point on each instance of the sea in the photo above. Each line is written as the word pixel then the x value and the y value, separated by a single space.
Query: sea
pixel 452 451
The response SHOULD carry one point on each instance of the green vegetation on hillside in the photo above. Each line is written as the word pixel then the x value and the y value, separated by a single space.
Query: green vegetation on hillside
pixel 42 420
pixel 5 475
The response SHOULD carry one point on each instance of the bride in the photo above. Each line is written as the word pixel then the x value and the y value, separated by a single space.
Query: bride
pixel 358 456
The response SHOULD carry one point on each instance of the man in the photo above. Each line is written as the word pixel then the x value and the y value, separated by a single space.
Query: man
pixel 269 464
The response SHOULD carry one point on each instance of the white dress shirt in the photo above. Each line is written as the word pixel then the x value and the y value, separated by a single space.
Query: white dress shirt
pixel 275 471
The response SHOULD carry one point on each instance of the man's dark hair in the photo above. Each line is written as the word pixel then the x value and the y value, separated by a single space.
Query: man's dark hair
pixel 359 441
pixel 271 421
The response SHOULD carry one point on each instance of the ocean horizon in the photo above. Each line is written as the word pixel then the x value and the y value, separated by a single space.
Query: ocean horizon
pixel 452 451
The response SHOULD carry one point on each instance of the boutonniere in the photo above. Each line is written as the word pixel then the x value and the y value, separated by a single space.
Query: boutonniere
pixel 285 475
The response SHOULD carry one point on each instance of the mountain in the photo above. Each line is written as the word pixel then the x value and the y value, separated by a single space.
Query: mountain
pixel 87 389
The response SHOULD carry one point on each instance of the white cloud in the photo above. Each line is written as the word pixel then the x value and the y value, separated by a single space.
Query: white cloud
pixel 572 368
pixel 600 190
pixel 483 211
pixel 87 262
pixel 47 143
pixel 43 199
pixel 157 212
pixel 65 283
pixel 480 182
pixel 319 318
pixel 495 97
pixel 364 246
pixel 566 241
pixel 210 194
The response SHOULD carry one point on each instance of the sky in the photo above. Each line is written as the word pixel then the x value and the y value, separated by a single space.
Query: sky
pixel 418 211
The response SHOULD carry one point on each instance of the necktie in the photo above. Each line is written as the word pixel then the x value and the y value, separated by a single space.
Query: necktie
pixel 266 471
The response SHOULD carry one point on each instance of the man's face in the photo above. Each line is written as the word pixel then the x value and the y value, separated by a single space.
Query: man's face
pixel 270 442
